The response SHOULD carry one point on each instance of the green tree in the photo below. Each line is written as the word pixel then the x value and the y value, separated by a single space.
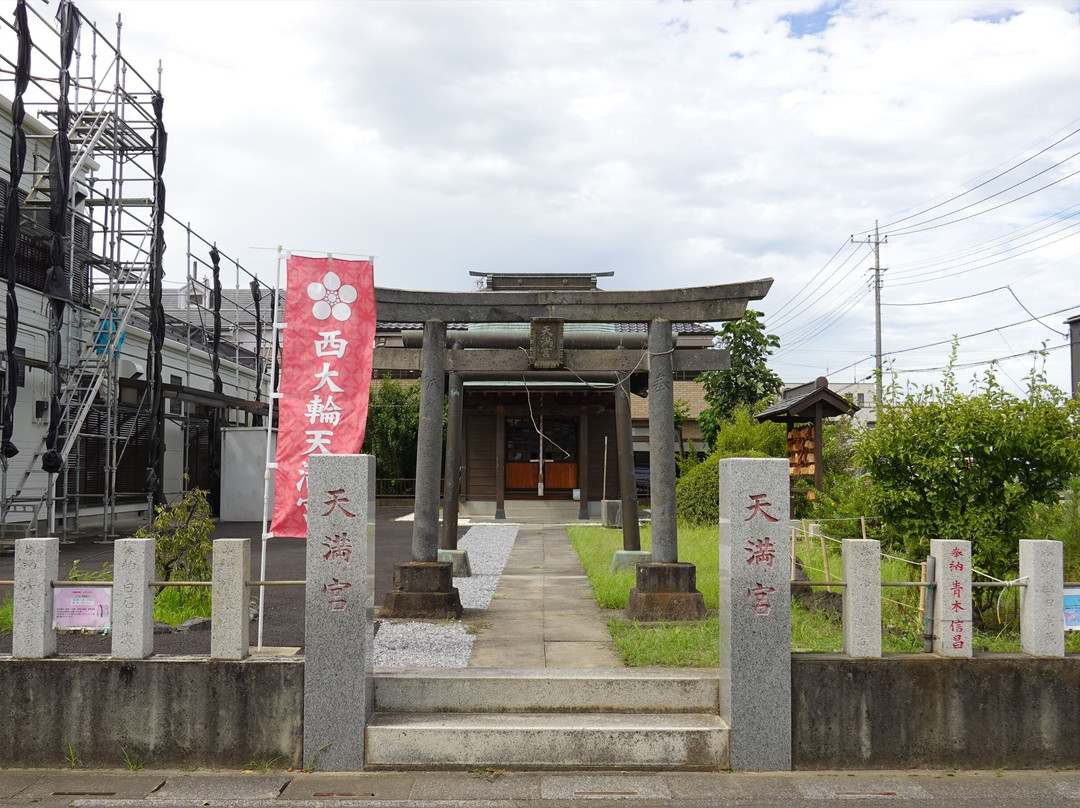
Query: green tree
pixel 948 465
pixel 748 381
pixel 392 426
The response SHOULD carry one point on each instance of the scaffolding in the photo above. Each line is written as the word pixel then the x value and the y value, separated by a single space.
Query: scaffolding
pixel 113 236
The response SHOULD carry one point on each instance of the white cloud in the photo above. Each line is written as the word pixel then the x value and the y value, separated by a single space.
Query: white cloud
pixel 676 143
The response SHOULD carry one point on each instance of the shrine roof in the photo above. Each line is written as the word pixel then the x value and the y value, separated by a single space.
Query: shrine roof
pixel 799 403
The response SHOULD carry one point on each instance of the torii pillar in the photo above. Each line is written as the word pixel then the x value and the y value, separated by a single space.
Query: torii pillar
pixel 666 587
pixel 424 587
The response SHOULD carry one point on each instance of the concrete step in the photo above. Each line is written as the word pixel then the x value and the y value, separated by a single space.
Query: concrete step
pixel 554 511
pixel 547 690
pixel 546 741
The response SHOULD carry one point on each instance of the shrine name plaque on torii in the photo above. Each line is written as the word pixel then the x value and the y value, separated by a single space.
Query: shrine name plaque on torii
pixel 666 588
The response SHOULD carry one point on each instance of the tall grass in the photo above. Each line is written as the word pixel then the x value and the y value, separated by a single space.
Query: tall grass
pixel 175 604
pixel 813 629
pixel 7 613
pixel 596 545
pixel 681 645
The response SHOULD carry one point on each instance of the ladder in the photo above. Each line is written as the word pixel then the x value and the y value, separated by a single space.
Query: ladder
pixel 80 391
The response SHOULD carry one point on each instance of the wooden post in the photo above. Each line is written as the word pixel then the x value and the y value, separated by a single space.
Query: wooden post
pixel 922 595
pixel 794 536
pixel 583 464
pixel 624 443
pixel 862 521
pixel 819 439
pixel 825 560
pixel 452 480
pixel 500 462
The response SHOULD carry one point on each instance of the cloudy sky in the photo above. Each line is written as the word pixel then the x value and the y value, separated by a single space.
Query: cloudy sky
pixel 678 144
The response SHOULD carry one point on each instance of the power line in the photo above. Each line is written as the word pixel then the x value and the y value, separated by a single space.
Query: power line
pixel 918 228
pixel 950 299
pixel 812 329
pixel 1071 134
pixel 1058 217
pixel 958 339
pixel 939 276
pixel 966 365
pixel 1026 309
pixel 819 291
pixel 810 282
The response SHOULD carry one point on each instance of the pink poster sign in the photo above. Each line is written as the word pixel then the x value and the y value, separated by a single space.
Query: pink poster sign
pixel 81 609
pixel 326 357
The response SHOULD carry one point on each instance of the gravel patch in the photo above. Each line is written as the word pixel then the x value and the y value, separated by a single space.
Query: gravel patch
pixel 432 645
pixel 488 547
pixel 422 645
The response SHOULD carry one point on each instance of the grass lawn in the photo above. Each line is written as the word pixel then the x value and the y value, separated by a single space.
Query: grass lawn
pixel 812 629
pixel 6 613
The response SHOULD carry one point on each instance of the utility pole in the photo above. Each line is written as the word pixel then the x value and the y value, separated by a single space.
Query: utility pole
pixel 877 241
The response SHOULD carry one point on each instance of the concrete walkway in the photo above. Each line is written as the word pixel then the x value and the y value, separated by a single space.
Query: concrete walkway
pixel 543 614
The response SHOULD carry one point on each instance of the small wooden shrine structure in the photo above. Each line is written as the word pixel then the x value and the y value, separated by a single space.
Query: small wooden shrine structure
pixel 804 409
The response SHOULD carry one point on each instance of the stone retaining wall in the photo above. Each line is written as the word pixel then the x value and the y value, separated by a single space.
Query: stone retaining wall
pixel 175 712
pixel 996 710
pixel 993 711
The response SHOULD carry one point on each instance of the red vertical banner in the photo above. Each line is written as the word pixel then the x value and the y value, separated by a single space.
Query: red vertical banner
pixel 326 358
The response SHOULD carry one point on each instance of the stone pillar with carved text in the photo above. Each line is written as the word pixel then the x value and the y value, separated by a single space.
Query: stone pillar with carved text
pixel 755 612
pixel 338 610
pixel 952 597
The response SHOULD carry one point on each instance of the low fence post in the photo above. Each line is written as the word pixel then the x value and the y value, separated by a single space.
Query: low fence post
pixel 132 611
pixel 229 618
pixel 862 597
pixel 1042 615
pixel 37 563
pixel 952 597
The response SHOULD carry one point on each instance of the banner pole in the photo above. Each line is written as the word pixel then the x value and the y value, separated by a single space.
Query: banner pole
pixel 270 465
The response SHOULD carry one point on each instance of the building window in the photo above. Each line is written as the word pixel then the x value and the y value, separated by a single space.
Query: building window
pixel 176 406
pixel 20 373
pixel 861 400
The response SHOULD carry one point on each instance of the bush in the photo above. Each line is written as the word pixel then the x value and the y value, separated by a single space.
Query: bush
pixel 182 533
pixel 1061 522
pixel 698 490
pixel 969 466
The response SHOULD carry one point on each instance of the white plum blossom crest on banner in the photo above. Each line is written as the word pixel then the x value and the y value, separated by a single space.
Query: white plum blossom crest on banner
pixel 331 298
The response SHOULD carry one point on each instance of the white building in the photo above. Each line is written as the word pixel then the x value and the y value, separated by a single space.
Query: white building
pixel 105 428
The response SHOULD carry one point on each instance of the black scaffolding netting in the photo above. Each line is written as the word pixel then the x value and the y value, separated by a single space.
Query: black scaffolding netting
pixel 11 224
pixel 215 364
pixel 57 285
pixel 157 310
pixel 256 299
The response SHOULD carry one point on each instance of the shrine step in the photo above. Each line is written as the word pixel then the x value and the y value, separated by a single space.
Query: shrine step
pixel 546 741
pixel 531 511
pixel 547 690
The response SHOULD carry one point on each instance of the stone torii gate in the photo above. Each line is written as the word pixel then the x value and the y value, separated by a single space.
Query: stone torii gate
pixel 665 588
